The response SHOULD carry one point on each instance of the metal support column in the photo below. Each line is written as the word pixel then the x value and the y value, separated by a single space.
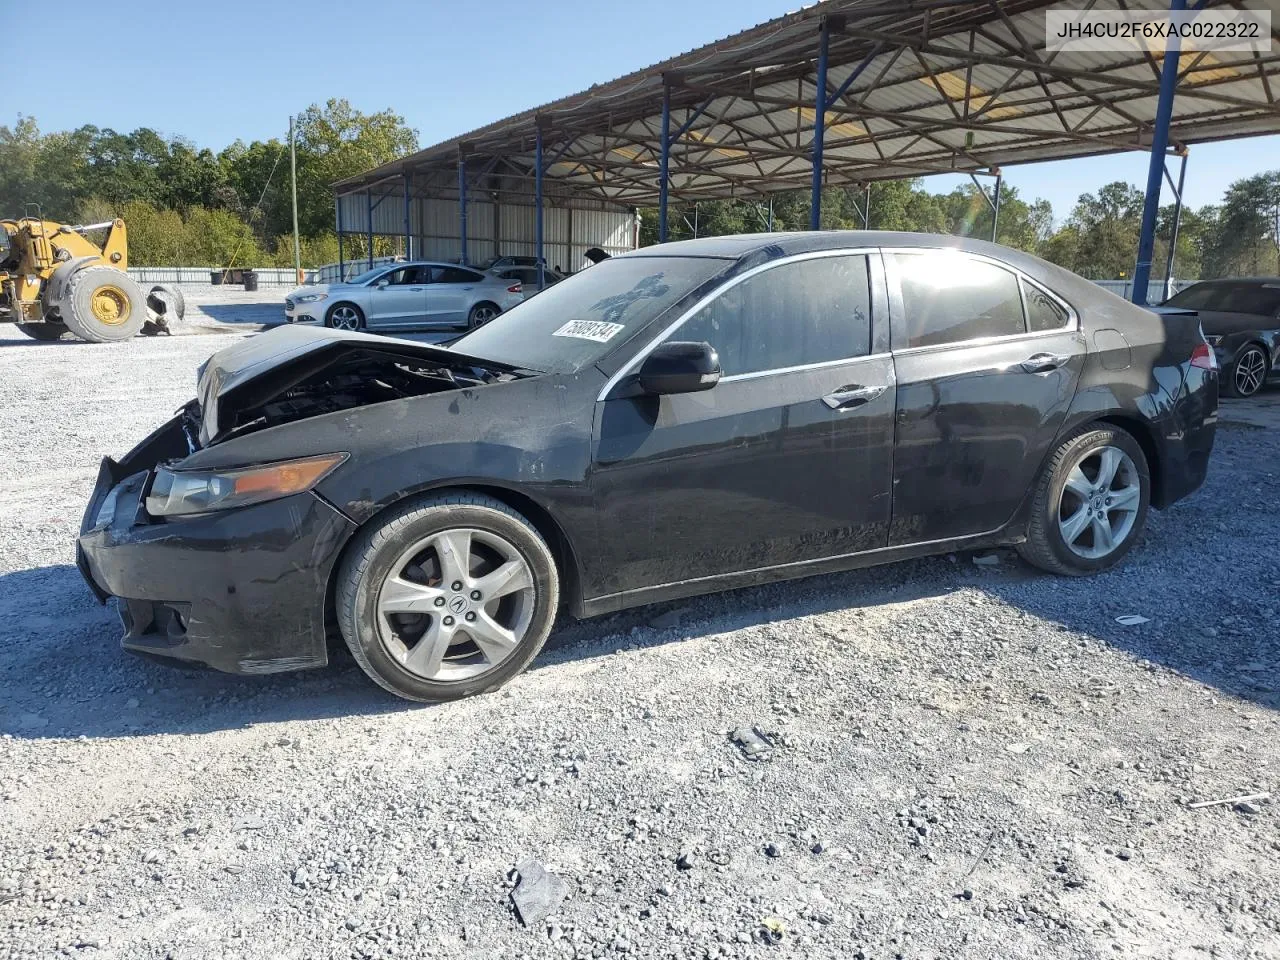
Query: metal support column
pixel 342 261
pixel 368 198
pixel 866 207
pixel 1159 146
pixel 462 207
pixel 819 126
pixel 771 214
pixel 995 207
pixel 1177 221
pixel 664 163
pixel 408 222
pixel 537 199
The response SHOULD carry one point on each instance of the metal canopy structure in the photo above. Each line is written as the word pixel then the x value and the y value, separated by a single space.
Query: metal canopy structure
pixel 852 91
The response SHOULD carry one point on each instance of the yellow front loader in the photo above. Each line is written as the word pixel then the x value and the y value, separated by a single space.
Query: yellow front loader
pixel 54 279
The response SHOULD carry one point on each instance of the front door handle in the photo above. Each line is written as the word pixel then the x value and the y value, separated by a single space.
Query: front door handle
pixel 853 395
pixel 1043 362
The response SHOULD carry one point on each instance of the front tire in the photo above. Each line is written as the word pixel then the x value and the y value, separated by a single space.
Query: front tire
pixel 447 597
pixel 103 305
pixel 1090 503
pixel 1246 375
pixel 344 316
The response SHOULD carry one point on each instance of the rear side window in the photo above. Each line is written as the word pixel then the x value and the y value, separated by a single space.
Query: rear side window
pixel 950 298
pixel 809 311
pixel 1043 312
pixel 455 275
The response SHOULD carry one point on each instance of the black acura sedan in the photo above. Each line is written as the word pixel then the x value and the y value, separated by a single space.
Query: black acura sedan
pixel 687 418
pixel 1241 319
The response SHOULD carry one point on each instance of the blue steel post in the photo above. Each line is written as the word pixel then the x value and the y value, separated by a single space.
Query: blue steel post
pixel 664 163
pixel 368 197
pixel 537 199
pixel 408 228
pixel 1155 171
pixel 462 206
pixel 819 127
pixel 342 263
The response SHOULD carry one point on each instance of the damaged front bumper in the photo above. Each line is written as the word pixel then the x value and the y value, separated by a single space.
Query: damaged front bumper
pixel 242 591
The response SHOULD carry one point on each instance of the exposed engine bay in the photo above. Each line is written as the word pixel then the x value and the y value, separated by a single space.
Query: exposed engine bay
pixel 334 375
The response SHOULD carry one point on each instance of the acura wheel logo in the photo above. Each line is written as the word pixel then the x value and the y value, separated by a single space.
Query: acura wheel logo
pixel 458 604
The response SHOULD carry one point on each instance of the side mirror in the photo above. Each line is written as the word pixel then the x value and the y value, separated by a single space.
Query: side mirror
pixel 680 367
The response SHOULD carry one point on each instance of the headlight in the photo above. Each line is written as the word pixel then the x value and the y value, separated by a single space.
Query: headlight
pixel 180 492
pixel 311 298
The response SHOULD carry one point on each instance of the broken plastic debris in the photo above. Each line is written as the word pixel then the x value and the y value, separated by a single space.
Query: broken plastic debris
pixel 754 744
pixel 1132 620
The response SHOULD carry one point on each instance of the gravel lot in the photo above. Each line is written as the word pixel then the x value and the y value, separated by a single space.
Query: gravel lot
pixel 967 760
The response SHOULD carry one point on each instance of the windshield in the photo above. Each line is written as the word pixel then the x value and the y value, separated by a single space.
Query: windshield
pixel 580 319
pixel 367 275
pixel 1259 298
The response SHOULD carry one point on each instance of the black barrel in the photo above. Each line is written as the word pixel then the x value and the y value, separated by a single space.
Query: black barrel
pixel 250 280
pixel 215 277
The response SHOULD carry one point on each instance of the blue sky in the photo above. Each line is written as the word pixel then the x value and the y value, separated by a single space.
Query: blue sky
pixel 237 69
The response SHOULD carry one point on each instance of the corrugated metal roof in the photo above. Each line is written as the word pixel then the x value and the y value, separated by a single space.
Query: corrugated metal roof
pixel 944 86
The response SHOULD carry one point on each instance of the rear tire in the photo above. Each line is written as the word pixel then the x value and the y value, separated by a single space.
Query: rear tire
pixel 481 314
pixel 167 299
pixel 344 316
pixel 47 331
pixel 1247 373
pixel 1090 503
pixel 103 305
pixel 407 626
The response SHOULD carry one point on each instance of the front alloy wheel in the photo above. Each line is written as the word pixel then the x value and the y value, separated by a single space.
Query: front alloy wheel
pixel 456 604
pixel 1248 372
pixel 344 317
pixel 481 314
pixel 447 596
pixel 1090 503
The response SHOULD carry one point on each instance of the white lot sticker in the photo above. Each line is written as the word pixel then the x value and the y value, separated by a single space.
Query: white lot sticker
pixel 597 330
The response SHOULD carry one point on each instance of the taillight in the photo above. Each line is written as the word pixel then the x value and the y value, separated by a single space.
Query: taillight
pixel 1204 357
pixel 516 288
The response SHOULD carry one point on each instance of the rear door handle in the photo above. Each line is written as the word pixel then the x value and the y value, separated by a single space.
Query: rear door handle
pixel 853 395
pixel 1043 362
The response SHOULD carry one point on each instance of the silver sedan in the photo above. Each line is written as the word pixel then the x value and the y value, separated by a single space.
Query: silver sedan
pixel 403 296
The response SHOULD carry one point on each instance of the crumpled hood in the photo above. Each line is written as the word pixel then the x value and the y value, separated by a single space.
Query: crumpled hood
pixel 312 289
pixel 289 354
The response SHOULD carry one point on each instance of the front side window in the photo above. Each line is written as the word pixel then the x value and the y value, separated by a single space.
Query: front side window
pixel 793 315
pixel 948 297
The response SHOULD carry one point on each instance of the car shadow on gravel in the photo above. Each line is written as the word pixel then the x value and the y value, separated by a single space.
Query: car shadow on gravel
pixel 63 674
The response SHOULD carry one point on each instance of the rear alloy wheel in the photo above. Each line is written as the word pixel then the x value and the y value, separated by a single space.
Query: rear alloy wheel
pixel 345 316
pixel 481 314
pixel 447 597
pixel 1247 374
pixel 1090 504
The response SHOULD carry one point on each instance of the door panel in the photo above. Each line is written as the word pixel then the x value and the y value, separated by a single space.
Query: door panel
pixel 976 419
pixel 399 303
pixel 756 472
pixel 450 295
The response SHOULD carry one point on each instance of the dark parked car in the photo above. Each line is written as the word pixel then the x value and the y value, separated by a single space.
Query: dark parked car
pixel 683 419
pixel 1241 319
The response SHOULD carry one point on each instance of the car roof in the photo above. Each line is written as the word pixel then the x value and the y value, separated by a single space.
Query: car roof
pixel 1258 281
pixel 740 245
